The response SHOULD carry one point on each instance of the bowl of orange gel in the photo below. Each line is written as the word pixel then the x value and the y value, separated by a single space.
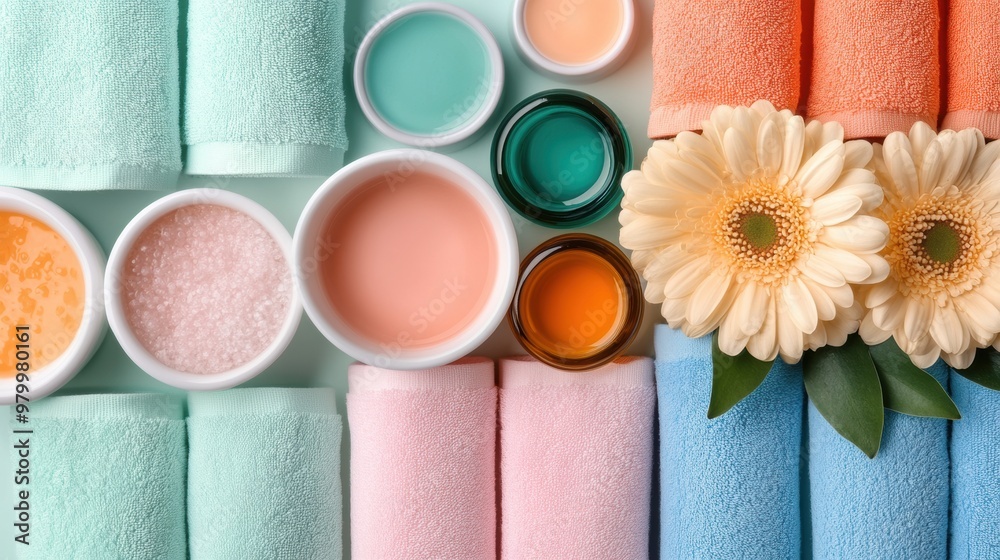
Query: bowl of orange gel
pixel 51 309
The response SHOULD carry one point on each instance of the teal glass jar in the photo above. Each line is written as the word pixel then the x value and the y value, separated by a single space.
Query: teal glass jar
pixel 558 159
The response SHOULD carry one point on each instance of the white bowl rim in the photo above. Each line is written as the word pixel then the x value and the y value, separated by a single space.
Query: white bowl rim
pixel 55 374
pixel 464 132
pixel 116 312
pixel 494 310
pixel 596 68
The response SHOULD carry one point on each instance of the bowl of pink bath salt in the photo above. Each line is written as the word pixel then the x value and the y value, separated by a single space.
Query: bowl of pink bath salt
pixel 199 289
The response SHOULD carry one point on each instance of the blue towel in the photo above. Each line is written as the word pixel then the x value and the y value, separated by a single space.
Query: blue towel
pixel 264 475
pixel 89 94
pixel 264 88
pixel 975 472
pixel 892 507
pixel 729 487
pixel 106 478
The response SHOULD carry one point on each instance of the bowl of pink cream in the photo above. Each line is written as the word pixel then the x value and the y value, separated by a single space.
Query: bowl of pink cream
pixel 406 259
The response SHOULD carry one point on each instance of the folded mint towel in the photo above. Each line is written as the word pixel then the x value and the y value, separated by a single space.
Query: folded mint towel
pixel 975 472
pixel 264 475
pixel 729 487
pixel 106 478
pixel 89 94
pixel 264 87
pixel 892 507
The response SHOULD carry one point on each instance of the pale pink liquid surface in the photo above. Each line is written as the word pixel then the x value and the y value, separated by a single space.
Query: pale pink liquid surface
pixel 411 263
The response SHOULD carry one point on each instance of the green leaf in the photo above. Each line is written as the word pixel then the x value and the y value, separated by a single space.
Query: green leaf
pixel 907 388
pixel 844 386
pixel 985 369
pixel 733 378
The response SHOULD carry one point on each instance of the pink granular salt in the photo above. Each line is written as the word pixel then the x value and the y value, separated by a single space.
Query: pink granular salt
pixel 206 289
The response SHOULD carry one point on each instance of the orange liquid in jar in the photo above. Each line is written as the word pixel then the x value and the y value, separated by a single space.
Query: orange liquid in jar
pixel 572 304
pixel 41 286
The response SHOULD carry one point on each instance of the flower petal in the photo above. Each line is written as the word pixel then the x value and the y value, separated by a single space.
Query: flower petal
pixel 763 345
pixel 834 208
pixel 750 307
pixel 822 170
pixel 917 320
pixel 739 154
pixel 800 305
pixel 857 154
pixel 826 310
pixel 771 143
pixel 946 329
pixel 870 333
pixel 852 267
pixel 790 339
pixel 862 233
pixel 791 156
pixel 686 279
pixel 899 162
pixel 707 296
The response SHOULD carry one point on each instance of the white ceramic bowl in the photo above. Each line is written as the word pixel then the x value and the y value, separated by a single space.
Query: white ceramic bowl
pixel 359 173
pixel 116 312
pixel 458 135
pixel 56 373
pixel 593 70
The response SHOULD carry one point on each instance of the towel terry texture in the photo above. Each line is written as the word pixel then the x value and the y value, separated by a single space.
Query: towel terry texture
pixel 973 66
pixel 423 461
pixel 264 88
pixel 975 472
pixel 106 478
pixel 729 487
pixel 576 454
pixel 875 65
pixel 716 52
pixel 264 475
pixel 90 94
pixel 892 507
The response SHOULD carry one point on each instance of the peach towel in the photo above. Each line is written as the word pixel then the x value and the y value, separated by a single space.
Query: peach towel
pixel 875 66
pixel 974 66
pixel 576 455
pixel 721 52
pixel 423 462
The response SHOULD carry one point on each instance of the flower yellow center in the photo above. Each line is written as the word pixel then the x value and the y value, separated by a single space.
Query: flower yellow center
pixel 939 246
pixel 761 228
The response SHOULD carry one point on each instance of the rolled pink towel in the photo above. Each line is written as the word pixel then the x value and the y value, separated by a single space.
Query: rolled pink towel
pixel 423 461
pixel 721 52
pixel 576 455
pixel 875 65
pixel 974 66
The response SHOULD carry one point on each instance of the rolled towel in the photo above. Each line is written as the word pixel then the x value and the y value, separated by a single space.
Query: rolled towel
pixel 90 94
pixel 106 478
pixel 729 487
pixel 576 455
pixel 875 66
pixel 894 506
pixel 423 460
pixel 973 66
pixel 720 52
pixel 264 89
pixel 264 475
pixel 975 472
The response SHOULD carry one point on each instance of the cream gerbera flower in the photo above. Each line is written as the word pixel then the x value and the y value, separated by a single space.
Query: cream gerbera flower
pixel 942 296
pixel 759 226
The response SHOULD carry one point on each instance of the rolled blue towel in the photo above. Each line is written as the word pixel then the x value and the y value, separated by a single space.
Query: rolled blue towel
pixel 264 475
pixel 264 87
pixel 729 487
pixel 975 472
pixel 106 478
pixel 892 507
pixel 90 94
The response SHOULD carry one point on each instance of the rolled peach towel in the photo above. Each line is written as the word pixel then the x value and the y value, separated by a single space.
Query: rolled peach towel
pixel 875 66
pixel 974 66
pixel 721 52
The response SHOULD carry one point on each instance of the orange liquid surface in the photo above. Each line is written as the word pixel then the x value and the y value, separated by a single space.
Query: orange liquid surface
pixel 41 286
pixel 573 32
pixel 572 304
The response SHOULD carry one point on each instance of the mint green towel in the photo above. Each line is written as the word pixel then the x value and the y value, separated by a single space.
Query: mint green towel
pixel 264 475
pixel 106 478
pixel 264 87
pixel 89 94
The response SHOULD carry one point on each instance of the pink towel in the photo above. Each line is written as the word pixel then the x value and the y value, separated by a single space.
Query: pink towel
pixel 423 462
pixel 974 66
pixel 721 52
pixel 576 454
pixel 875 66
